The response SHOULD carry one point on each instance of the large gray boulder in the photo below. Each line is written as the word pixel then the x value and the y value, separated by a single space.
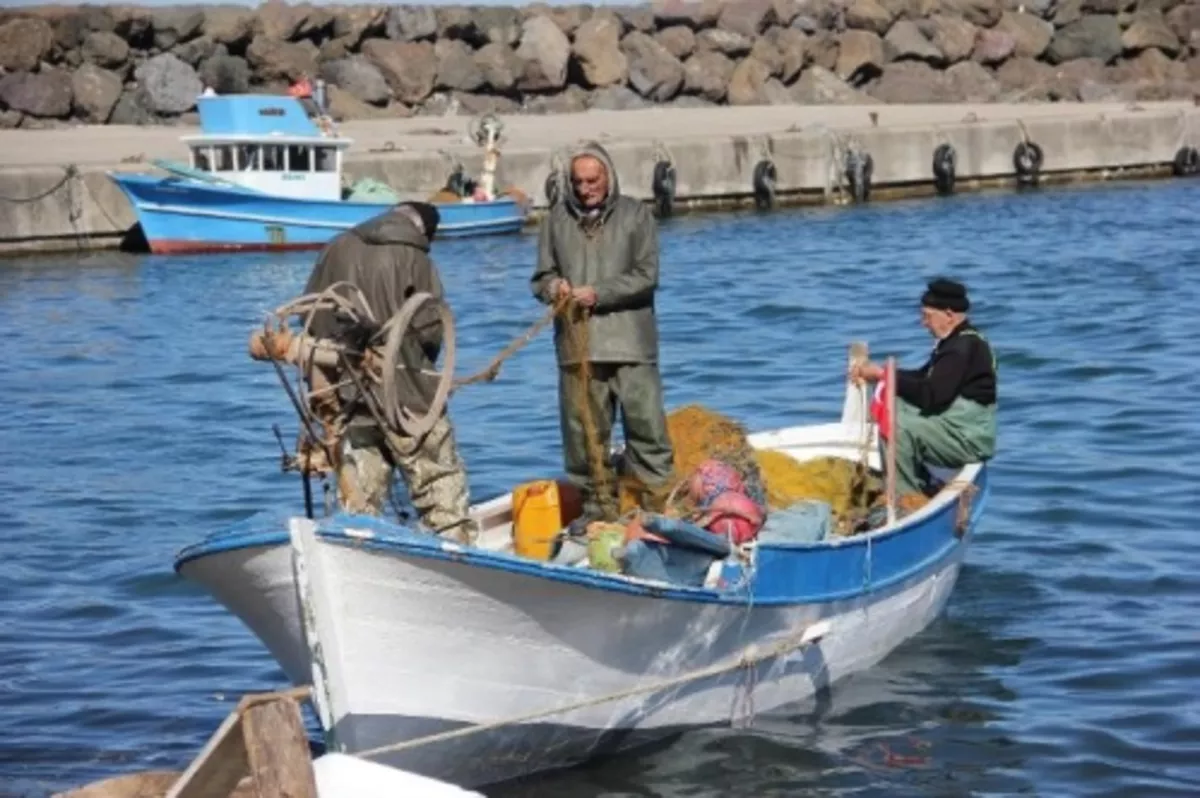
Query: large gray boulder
pixel 411 23
pixel 24 42
pixel 359 77
pixel 597 49
pixel 1093 36
pixel 226 74
pixel 45 94
pixel 457 69
pixel 545 50
pixel 170 85
pixel 410 68
pixel 132 109
pixel 95 91
pixel 653 72
pixel 105 48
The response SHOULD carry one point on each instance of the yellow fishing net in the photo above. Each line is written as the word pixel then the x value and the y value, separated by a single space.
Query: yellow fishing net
pixel 698 434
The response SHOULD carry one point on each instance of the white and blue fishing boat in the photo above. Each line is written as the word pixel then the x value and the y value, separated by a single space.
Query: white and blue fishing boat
pixel 476 665
pixel 264 175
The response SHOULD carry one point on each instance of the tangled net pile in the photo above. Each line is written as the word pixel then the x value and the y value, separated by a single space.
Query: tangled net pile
pixel 772 479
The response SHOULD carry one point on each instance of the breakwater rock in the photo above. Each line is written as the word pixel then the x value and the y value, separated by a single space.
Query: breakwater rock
pixel 132 65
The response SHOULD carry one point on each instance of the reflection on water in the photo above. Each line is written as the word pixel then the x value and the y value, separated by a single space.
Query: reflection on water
pixel 134 424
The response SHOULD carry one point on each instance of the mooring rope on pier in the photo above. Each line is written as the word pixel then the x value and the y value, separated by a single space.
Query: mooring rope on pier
pixel 69 171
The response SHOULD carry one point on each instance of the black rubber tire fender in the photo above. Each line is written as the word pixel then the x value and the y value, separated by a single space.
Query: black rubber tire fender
pixel 1187 162
pixel 764 181
pixel 945 168
pixel 663 186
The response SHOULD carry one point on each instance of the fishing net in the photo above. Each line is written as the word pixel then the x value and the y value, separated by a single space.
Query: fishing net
pixel 697 434
pixel 773 479
pixel 574 319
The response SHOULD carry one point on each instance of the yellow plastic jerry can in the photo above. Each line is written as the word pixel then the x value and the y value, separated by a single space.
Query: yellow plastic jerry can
pixel 540 510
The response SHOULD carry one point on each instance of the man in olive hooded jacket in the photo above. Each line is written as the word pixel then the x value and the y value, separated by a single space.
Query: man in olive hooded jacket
pixel 601 248
pixel 387 258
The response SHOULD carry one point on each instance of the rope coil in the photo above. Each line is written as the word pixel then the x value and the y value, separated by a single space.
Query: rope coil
pixel 368 362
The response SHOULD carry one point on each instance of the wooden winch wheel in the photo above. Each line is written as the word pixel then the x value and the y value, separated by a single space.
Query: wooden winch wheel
pixel 400 326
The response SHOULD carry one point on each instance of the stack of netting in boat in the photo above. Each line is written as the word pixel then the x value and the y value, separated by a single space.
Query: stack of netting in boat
pixel 772 478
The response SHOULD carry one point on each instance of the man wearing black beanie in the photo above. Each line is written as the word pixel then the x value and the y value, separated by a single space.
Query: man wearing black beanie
pixel 945 410
pixel 387 258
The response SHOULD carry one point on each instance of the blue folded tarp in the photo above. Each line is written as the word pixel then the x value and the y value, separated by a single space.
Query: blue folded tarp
pixel 684 561
pixel 687 535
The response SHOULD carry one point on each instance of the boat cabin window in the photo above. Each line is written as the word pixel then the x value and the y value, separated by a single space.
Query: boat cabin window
pixel 224 158
pixel 248 158
pixel 298 158
pixel 202 159
pixel 325 159
pixel 272 157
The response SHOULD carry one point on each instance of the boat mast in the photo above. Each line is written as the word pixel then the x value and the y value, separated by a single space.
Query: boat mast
pixel 487 135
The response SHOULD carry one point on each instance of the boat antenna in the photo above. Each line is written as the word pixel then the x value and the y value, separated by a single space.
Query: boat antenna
pixel 320 100
pixel 486 132
pixel 319 96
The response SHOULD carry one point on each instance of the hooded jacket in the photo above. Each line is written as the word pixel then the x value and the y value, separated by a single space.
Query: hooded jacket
pixel 387 258
pixel 618 258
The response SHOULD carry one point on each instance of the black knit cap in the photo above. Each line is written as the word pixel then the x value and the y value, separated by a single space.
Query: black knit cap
pixel 429 217
pixel 944 294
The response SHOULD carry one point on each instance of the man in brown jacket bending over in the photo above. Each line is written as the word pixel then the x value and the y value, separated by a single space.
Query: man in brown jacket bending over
pixel 387 258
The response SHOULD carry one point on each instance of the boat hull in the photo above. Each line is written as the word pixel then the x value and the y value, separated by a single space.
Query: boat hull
pixel 524 653
pixel 631 669
pixel 180 216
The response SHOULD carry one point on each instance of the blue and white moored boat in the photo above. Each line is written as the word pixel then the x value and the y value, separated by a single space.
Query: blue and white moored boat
pixel 263 175
pixel 475 665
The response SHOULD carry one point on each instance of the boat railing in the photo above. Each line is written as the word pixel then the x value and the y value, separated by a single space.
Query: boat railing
pixel 185 171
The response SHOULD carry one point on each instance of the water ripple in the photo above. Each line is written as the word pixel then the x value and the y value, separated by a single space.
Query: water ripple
pixel 134 424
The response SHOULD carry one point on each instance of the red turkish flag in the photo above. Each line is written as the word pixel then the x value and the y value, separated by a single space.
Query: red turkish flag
pixel 879 408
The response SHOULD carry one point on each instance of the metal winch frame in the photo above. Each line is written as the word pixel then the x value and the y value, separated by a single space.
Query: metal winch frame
pixel 334 378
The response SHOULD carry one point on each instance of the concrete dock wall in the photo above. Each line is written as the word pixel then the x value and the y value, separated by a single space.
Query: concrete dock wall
pixel 713 151
pixel 127 65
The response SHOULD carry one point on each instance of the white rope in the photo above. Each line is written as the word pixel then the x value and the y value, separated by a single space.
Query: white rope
pixel 834 164
pixel 662 152
pixel 1024 132
pixel 1185 129
pixel 750 657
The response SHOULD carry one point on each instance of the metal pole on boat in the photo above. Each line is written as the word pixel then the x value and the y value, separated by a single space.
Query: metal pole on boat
pixel 891 440
pixel 487 134
pixel 319 97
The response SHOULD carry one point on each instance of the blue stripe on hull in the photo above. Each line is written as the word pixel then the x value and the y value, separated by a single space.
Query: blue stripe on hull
pixel 785 575
pixel 180 215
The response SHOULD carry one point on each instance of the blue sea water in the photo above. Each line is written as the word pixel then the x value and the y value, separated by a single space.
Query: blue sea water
pixel 1067 663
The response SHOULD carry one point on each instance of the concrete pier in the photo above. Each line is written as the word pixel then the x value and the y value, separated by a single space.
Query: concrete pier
pixel 55 194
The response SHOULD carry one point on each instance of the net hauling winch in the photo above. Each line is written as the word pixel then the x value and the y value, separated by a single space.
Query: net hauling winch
pixel 339 378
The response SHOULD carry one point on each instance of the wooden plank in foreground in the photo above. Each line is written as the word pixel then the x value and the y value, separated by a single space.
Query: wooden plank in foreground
pixel 219 766
pixel 276 748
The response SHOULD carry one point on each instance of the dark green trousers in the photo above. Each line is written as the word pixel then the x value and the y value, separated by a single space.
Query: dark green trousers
pixel 634 388
pixel 964 433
